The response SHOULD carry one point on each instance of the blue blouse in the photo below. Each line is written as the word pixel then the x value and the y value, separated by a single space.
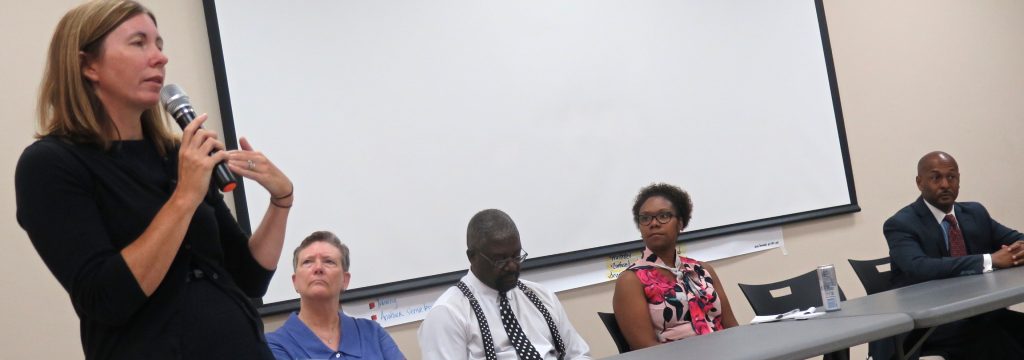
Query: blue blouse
pixel 360 339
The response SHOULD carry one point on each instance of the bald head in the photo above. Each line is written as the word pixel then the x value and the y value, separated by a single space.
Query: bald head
pixel 930 159
pixel 490 225
pixel 938 178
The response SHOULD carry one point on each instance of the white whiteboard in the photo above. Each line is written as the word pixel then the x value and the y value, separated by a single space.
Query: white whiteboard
pixel 398 120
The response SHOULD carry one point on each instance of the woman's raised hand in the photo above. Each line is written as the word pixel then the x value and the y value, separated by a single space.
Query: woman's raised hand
pixel 255 165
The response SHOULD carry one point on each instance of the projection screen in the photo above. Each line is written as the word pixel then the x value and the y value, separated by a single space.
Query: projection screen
pixel 398 120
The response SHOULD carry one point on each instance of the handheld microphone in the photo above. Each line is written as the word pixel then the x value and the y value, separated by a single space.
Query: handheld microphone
pixel 176 102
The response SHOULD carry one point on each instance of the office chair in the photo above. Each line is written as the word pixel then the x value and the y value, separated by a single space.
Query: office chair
pixel 804 292
pixel 876 281
pixel 613 329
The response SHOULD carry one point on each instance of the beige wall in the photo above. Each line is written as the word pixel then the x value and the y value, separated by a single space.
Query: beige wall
pixel 914 76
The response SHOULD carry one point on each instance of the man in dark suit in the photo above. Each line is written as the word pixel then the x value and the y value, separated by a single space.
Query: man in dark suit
pixel 936 237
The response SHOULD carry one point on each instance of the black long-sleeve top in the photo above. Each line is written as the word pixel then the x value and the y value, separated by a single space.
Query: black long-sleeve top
pixel 81 205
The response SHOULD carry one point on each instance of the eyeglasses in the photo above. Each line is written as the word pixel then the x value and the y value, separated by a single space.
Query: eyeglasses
pixel 663 218
pixel 500 264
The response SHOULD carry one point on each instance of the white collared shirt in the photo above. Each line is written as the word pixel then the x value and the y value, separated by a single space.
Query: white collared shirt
pixel 940 217
pixel 450 330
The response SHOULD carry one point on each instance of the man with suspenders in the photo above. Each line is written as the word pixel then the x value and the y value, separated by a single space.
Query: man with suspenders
pixel 491 314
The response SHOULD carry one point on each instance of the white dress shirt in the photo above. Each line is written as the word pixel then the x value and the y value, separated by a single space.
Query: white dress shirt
pixel 940 216
pixel 450 330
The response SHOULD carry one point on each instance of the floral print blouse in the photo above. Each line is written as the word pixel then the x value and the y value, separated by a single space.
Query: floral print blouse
pixel 683 306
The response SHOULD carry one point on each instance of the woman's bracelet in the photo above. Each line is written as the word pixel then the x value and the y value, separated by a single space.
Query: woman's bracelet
pixel 289 194
pixel 272 202
pixel 280 206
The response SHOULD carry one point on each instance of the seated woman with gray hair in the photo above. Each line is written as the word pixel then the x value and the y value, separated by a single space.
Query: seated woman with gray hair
pixel 319 330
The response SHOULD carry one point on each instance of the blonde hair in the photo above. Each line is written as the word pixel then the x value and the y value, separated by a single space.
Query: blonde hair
pixel 68 105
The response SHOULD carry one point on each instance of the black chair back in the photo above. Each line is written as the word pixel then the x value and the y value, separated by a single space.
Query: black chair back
pixel 804 292
pixel 613 329
pixel 874 281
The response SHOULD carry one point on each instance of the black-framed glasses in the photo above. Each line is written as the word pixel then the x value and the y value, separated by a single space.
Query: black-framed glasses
pixel 500 264
pixel 663 218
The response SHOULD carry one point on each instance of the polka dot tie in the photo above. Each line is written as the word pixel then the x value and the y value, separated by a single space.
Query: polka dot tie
pixel 523 347
pixel 485 329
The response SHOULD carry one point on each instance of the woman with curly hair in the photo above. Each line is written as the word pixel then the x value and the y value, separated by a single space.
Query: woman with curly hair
pixel 663 296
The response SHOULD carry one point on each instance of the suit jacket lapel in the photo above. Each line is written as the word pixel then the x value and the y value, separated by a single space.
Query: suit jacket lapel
pixel 931 230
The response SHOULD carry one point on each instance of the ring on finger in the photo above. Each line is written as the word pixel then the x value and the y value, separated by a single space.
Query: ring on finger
pixel 251 165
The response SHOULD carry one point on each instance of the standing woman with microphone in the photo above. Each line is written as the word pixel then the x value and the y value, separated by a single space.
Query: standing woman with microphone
pixel 122 211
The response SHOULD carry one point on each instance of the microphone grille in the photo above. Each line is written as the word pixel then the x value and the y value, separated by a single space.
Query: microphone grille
pixel 173 97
